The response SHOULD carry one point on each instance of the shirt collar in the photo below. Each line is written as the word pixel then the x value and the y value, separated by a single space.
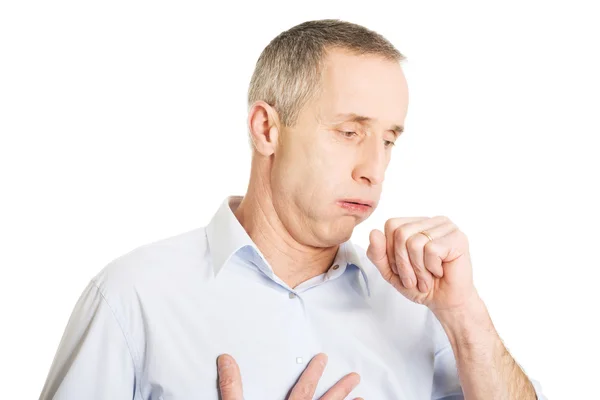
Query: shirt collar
pixel 226 236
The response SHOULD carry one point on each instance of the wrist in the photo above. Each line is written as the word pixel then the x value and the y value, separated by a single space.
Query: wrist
pixel 469 324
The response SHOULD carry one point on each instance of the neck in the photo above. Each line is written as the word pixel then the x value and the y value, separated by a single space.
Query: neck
pixel 292 262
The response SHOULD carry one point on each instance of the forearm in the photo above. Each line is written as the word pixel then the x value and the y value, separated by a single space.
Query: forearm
pixel 486 369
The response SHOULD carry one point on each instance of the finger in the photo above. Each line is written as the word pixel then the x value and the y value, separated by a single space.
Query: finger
pixel 379 257
pixel 447 249
pixel 343 387
pixel 230 380
pixel 406 272
pixel 432 250
pixel 390 226
pixel 411 269
pixel 415 246
pixel 376 252
pixel 308 381
pixel 410 247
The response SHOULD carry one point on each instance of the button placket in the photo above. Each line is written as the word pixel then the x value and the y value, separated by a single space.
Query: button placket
pixel 298 319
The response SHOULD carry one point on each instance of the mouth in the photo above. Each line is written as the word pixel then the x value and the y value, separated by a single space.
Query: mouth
pixel 360 202
pixel 356 206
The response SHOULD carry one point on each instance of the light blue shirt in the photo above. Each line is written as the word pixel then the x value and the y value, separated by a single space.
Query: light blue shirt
pixel 151 324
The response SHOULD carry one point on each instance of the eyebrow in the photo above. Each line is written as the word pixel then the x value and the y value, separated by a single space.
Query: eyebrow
pixel 353 117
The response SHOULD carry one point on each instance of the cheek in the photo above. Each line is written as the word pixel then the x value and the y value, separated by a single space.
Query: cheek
pixel 314 167
pixel 325 170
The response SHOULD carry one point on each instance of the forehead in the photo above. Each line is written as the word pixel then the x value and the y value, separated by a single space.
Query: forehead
pixel 363 84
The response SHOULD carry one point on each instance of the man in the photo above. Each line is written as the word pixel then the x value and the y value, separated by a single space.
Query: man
pixel 274 283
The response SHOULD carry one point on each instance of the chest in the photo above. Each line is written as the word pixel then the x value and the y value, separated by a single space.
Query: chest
pixel 273 336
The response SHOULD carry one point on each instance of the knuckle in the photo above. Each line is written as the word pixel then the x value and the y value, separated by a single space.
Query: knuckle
pixel 226 382
pixel 400 235
pixel 388 226
pixel 403 264
pixel 304 392
pixel 428 250
pixel 421 274
pixel 391 223
pixel 413 245
pixel 406 275
pixel 399 250
pixel 343 388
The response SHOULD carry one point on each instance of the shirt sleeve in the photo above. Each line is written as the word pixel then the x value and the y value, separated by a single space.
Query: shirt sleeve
pixel 446 384
pixel 93 360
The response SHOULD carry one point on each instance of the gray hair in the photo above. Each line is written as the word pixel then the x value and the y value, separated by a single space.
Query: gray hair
pixel 288 72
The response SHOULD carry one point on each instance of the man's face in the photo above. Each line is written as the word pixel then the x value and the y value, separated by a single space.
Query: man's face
pixel 317 165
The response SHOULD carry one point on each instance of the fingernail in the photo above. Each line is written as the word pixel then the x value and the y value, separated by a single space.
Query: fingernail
pixel 406 282
pixel 223 362
pixel 394 268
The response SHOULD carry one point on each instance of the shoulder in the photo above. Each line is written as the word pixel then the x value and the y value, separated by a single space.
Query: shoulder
pixel 153 265
pixel 136 285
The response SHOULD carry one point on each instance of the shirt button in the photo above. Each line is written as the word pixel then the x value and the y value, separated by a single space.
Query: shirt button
pixel 298 360
pixel 335 267
pixel 292 295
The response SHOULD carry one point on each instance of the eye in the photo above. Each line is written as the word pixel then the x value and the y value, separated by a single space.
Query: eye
pixel 348 134
pixel 389 144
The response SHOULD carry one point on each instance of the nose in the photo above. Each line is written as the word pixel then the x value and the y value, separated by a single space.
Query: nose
pixel 372 162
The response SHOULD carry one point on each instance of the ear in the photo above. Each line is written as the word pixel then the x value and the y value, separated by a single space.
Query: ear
pixel 264 126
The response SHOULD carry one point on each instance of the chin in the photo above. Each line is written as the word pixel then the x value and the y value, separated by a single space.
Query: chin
pixel 339 232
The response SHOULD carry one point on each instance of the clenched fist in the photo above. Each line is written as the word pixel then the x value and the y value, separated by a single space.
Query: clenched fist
pixel 436 273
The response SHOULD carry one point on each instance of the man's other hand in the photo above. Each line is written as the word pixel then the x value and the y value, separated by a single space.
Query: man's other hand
pixel 230 381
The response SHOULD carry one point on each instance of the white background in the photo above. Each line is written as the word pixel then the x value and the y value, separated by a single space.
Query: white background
pixel 125 122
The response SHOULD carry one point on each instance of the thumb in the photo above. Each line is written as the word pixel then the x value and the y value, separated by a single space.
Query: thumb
pixel 230 380
pixel 377 253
